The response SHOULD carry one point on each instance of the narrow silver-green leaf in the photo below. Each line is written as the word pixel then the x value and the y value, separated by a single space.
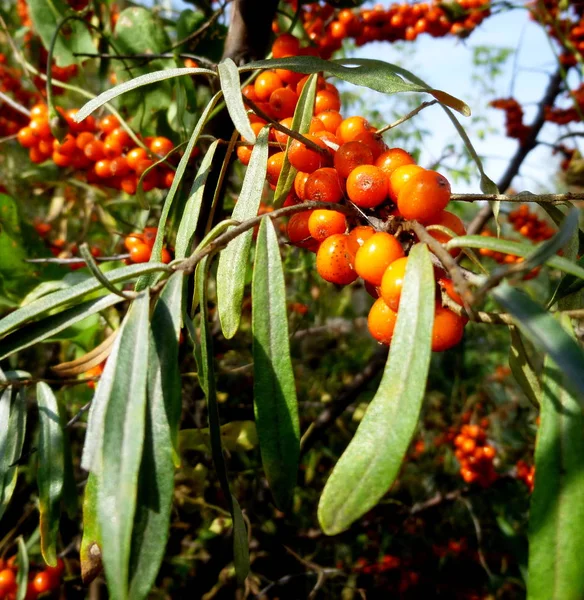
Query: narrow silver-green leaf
pixel 137 82
pixel 156 482
pixel 373 458
pixel 23 568
pixel 122 445
pixel 544 332
pixel 12 431
pixel 233 259
pixel 303 114
pixel 514 248
pixel 90 550
pixel 37 332
pixel 522 369
pixel 145 281
pixel 275 405
pixel 51 471
pixel 62 297
pixel 231 87
pixel 240 542
pixel 556 547
pixel 190 217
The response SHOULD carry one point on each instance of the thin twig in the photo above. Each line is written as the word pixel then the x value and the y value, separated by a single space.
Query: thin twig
pixel 15 105
pixel 198 32
pixel 520 198
pixel 75 260
pixel 405 118
pixel 79 414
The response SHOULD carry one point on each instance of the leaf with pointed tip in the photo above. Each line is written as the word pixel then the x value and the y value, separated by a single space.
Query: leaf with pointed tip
pixel 233 260
pixel 231 87
pixel 522 368
pixel 371 462
pixel 90 550
pixel 23 567
pixel 275 405
pixel 556 550
pixel 544 332
pixel 190 217
pixel 156 482
pixel 51 471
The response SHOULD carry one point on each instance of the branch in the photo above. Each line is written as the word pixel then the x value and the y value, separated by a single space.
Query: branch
pixel 519 198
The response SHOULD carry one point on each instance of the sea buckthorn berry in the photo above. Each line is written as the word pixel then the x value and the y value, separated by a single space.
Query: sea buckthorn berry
pixel 42 582
pixel 373 141
pixel 367 186
pixel 140 253
pixel 357 237
pixel 133 240
pixel 424 196
pixel 350 156
pixel 320 83
pixel 134 156
pixel 448 329
pixel 265 84
pixel 27 138
pixel 300 184
pixel 448 286
pixel 249 92
pixel 103 168
pixel 94 150
pixel 119 166
pixel 108 123
pixel 331 119
pixel 323 185
pixel 275 163
pixel 400 176
pixel 67 146
pixel 381 321
pixel 61 160
pixel 39 111
pixel 36 156
pixel 298 232
pixel 324 223
pixel 333 262
pixel 142 165
pixel 306 159
pixel 160 145
pixel 83 139
pixel 351 127
pixel 289 77
pixel 392 282
pixel 330 139
pixel 283 102
pixel 120 135
pixel 40 127
pixel 280 136
pixel 326 100
pixel 165 256
pixel 450 221
pixel 129 184
pixel 7 581
pixel 285 45
pixel 149 235
pixel 375 255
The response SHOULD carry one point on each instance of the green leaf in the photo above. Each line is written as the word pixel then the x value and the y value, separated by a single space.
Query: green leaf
pixel 23 567
pixel 37 332
pixel 190 218
pixel 74 37
pixel 234 258
pixel 514 248
pixel 120 444
pixel 66 296
pixel 90 550
pixel 303 114
pixel 144 282
pixel 231 87
pixel 371 462
pixel 156 482
pixel 544 332
pixel 206 372
pixel 12 432
pixel 556 550
pixel 522 369
pixel 240 542
pixel 275 405
pixel 51 471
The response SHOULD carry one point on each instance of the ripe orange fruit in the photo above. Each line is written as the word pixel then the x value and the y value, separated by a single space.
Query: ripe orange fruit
pixel 392 282
pixel 275 163
pixel 450 221
pixel 298 232
pixel 332 260
pixel 375 255
pixel 424 196
pixel 399 177
pixel 140 253
pixel 357 237
pixel 350 156
pixel 265 84
pixel 381 321
pixel 367 186
pixel 306 159
pixel 323 185
pixel 324 223
pixel 285 45
pixel 351 127
pixel 393 158
pixel 448 329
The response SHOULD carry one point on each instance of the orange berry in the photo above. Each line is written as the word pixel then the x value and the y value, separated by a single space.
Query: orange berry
pixel 375 255
pixel 324 223
pixel 83 139
pixel 275 163
pixel 326 100
pixel 129 184
pixel 285 45
pixel 61 160
pixel 119 166
pixel 40 127
pixel 331 119
pixel 367 186
pixel 400 176
pixel 448 287
pixel 306 159
pixel 112 148
pixel 332 260
pixel 298 232
pixel 94 150
pixel 392 282
pixel 108 123
pixel 381 321
pixel 42 582
pixel 149 234
pixel 357 237
pixel 140 253
pixel 283 103
pixel 165 256
pixel 450 221
pixel 120 135
pixel 424 196
pixel 265 84
pixel 133 240
pixel 7 581
pixel 67 147
pixel 160 145
pixel 134 156
pixel 350 156
pixel 351 127
pixel 248 91
pixel 27 138
pixel 289 77
pixel 323 185
pixel 103 168
pixel 300 184
pixel 448 329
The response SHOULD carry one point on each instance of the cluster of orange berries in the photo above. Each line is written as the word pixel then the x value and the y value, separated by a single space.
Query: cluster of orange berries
pixel 529 225
pixel 386 563
pixel 514 125
pixel 327 27
pixel 11 120
pixel 563 116
pixel 349 164
pixel 475 455
pixel 526 474
pixel 40 581
pixel 140 245
pixel 102 149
